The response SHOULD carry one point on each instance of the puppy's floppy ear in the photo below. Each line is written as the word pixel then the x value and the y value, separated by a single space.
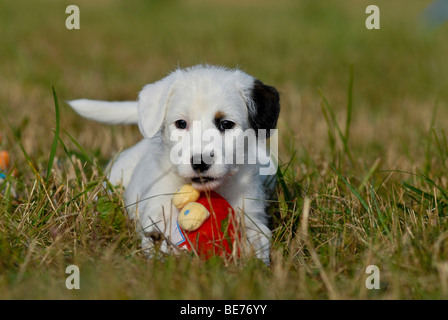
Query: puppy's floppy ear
pixel 265 108
pixel 152 104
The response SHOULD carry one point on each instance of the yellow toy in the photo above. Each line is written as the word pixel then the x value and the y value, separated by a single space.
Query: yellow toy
pixel 184 195
pixel 192 214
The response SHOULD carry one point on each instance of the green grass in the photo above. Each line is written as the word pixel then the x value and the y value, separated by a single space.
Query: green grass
pixel 363 147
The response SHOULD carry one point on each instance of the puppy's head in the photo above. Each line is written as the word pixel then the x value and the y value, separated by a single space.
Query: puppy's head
pixel 200 112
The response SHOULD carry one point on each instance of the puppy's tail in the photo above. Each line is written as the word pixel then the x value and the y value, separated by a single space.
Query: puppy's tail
pixel 107 111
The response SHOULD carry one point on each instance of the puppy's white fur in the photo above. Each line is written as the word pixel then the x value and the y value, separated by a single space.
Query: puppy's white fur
pixel 146 170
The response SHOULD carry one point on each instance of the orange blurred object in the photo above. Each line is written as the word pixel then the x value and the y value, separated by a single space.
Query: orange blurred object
pixel 4 160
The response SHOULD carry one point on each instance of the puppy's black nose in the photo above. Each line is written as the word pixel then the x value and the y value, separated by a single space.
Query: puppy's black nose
pixel 199 165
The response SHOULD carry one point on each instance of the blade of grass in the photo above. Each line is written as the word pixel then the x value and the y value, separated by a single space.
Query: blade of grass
pixel 352 189
pixel 349 104
pixel 281 179
pixel 331 138
pixel 427 167
pixel 445 141
pixel 369 174
pixel 83 151
pixel 343 138
pixel 54 146
pixel 425 178
pixel 75 168
pixel 417 191
pixel 379 213
pixel 443 154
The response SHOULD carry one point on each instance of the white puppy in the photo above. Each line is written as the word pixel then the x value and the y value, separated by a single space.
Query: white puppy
pixel 201 100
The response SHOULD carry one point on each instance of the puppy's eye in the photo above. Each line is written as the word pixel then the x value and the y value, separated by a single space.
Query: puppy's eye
pixel 226 125
pixel 181 124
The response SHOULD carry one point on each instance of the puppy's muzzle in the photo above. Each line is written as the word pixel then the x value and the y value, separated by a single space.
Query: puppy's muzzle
pixel 199 164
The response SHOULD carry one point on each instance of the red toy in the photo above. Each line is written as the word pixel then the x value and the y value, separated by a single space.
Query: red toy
pixel 207 223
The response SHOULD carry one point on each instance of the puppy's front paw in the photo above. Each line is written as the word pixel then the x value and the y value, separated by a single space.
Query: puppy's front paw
pixel 156 231
pixel 259 240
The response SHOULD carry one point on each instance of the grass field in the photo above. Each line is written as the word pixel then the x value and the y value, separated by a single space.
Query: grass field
pixel 363 147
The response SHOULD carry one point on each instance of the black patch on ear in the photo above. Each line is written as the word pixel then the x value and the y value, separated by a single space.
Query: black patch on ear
pixel 267 107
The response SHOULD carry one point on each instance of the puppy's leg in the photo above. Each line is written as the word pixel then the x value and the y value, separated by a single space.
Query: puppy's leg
pixel 157 225
pixel 248 200
pixel 148 200
pixel 258 236
pixel 159 228
pixel 122 167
